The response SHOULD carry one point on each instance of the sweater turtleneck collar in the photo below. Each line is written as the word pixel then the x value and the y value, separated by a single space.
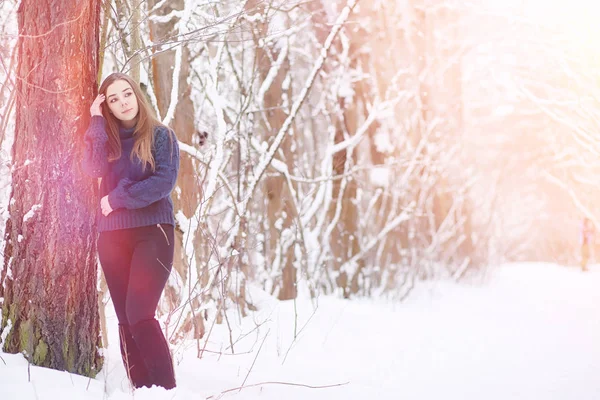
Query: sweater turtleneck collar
pixel 126 133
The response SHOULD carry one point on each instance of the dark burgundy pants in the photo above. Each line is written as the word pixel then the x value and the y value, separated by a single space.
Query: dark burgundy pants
pixel 136 264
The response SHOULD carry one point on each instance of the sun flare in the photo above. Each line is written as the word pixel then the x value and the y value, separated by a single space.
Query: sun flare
pixel 574 23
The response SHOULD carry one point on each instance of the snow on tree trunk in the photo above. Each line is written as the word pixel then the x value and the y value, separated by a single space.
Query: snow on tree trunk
pixel 182 121
pixel 50 304
pixel 273 68
pixel 344 212
pixel 170 73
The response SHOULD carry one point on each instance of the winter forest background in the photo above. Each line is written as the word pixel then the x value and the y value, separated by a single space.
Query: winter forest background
pixel 354 149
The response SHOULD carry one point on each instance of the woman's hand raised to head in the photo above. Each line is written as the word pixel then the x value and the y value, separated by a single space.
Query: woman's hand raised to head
pixel 96 109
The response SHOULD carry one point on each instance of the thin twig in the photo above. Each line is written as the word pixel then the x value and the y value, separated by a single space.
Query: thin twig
pixel 299 332
pixel 277 383
pixel 255 358
pixel 221 353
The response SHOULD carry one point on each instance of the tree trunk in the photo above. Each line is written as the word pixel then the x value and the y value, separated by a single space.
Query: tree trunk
pixel 183 118
pixel 136 41
pixel 279 202
pixel 441 97
pixel 344 238
pixel 343 242
pixel 48 282
pixel 187 198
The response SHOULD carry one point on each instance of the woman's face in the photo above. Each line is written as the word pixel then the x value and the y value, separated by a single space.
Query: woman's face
pixel 122 102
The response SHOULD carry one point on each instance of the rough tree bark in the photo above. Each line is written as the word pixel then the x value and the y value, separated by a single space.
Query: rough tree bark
pixel 49 277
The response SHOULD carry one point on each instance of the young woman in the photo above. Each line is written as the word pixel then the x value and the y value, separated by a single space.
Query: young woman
pixel 137 158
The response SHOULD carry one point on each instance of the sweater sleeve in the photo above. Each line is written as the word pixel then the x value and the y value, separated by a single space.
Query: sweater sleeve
pixel 95 157
pixel 139 194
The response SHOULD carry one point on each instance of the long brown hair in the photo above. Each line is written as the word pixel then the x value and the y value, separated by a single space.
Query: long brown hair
pixel 144 127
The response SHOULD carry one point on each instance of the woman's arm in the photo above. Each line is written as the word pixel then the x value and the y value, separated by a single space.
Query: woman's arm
pixel 130 194
pixel 95 157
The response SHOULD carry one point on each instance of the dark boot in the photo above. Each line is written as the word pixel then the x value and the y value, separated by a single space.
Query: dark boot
pixel 132 359
pixel 155 352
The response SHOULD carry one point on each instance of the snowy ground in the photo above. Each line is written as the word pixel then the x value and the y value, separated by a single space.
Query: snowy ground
pixel 532 332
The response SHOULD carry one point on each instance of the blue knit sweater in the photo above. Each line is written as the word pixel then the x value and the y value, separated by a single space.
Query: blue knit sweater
pixel 137 197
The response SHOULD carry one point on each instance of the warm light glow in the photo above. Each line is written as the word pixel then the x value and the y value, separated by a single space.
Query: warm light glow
pixel 576 22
